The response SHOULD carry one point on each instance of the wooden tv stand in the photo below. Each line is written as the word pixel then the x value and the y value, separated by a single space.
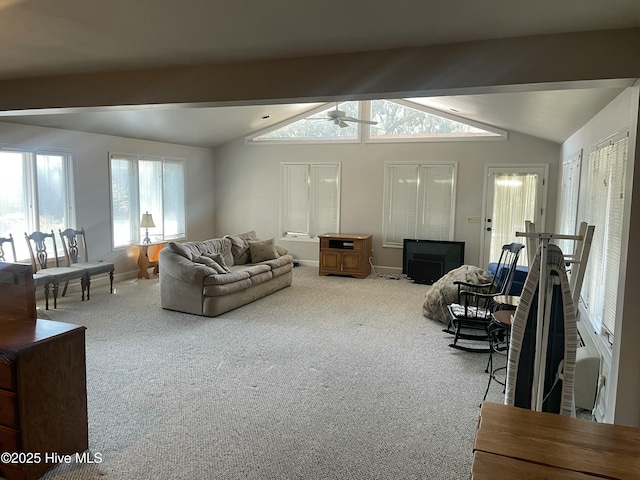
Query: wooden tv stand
pixel 345 254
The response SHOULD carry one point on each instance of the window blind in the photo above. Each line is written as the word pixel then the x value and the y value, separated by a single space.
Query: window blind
pixel 419 202
pixel 569 199
pixel 605 209
pixel 310 201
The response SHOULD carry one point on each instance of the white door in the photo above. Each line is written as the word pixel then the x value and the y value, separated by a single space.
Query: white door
pixel 512 195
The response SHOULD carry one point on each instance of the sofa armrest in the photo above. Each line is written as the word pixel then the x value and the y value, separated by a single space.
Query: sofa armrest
pixel 182 268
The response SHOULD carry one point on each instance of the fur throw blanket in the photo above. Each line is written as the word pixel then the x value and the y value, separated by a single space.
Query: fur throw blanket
pixel 444 292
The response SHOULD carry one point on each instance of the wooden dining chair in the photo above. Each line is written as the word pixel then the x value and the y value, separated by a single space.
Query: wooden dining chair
pixel 39 279
pixel 37 243
pixel 77 256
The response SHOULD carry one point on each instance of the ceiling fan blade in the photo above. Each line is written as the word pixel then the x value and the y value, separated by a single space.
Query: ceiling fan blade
pixel 357 120
pixel 342 123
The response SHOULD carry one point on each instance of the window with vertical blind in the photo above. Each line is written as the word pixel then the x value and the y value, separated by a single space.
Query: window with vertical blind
pixel 604 209
pixel 569 199
pixel 419 202
pixel 36 193
pixel 142 184
pixel 310 202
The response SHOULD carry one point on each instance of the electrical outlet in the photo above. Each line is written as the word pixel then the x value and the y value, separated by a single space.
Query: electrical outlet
pixel 473 219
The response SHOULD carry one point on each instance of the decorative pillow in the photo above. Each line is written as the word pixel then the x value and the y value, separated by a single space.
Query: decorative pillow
pixel 262 250
pixel 210 262
pixel 281 250
pixel 218 259
pixel 180 250
pixel 240 246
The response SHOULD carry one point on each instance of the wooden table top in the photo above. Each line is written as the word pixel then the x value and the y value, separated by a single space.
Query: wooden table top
pixel 554 441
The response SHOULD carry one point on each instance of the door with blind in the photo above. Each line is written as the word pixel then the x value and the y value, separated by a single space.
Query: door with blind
pixel 512 195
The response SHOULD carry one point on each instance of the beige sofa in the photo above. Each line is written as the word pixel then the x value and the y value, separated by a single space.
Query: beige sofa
pixel 214 276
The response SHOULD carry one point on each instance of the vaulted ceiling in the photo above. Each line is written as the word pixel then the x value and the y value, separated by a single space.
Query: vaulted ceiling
pixel 41 38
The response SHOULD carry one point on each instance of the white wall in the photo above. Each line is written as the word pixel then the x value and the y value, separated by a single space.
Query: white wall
pixel 92 183
pixel 621 394
pixel 247 193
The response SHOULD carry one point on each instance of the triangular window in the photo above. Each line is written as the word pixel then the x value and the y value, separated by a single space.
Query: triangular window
pixel 401 120
pixel 315 126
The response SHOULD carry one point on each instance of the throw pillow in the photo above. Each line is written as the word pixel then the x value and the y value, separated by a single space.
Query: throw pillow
pixel 262 250
pixel 242 255
pixel 281 250
pixel 210 262
pixel 239 249
pixel 180 250
pixel 218 259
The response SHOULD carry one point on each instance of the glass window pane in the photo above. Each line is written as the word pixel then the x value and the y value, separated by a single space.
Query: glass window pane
pixel 150 187
pixel 51 181
pixel 317 127
pixel 123 202
pixel 295 200
pixel 324 199
pixel 13 201
pixel 174 208
pixel 400 121
pixel 400 211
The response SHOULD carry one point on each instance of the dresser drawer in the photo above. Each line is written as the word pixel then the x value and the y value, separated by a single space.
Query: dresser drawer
pixel 9 441
pixel 7 373
pixel 8 409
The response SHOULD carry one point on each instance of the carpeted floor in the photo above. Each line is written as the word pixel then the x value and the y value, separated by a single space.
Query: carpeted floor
pixel 331 378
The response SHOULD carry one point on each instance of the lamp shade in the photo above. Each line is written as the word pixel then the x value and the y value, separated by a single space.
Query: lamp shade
pixel 147 221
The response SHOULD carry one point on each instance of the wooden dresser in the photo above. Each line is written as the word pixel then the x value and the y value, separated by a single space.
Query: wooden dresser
pixel 345 254
pixel 43 386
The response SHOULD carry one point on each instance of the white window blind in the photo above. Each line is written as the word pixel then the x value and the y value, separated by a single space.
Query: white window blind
pixel 605 208
pixel 569 200
pixel 419 202
pixel 310 199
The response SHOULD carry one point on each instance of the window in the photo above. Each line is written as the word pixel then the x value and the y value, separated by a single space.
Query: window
pixel 36 193
pixel 310 202
pixel 146 184
pixel 569 199
pixel 316 126
pixel 419 202
pixel 401 120
pixel 605 207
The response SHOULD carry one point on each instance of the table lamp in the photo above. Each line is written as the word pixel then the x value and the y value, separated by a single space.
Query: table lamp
pixel 147 223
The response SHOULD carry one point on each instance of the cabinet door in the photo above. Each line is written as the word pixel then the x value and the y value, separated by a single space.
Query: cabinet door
pixel 351 262
pixel 330 261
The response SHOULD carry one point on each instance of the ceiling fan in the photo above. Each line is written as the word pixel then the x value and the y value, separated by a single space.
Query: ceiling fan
pixel 340 118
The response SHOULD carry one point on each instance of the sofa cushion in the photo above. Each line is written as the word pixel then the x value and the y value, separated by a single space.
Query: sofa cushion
pixel 278 262
pixel 226 278
pixel 180 249
pixel 219 260
pixel 252 269
pixel 219 290
pixel 281 250
pixel 262 250
pixel 211 262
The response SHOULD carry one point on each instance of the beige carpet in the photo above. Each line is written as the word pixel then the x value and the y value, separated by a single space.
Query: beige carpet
pixel 331 378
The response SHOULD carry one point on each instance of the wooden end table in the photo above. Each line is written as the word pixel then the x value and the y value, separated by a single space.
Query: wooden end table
pixel 148 257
